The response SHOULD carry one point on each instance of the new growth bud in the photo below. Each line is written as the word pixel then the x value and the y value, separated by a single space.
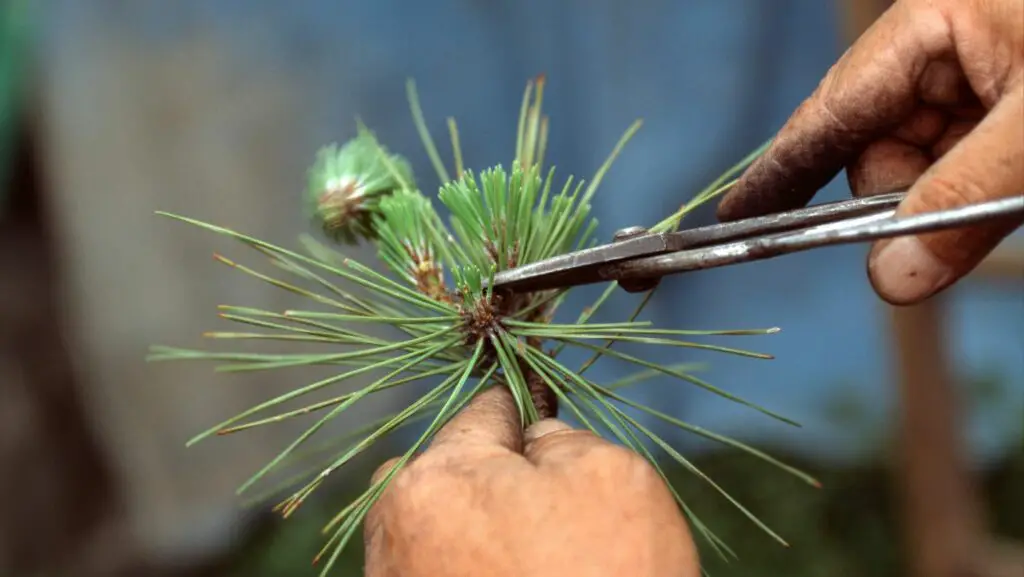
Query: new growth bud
pixel 347 183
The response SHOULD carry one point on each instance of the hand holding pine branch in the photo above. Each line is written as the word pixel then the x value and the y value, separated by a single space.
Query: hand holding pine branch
pixel 462 339
pixel 528 503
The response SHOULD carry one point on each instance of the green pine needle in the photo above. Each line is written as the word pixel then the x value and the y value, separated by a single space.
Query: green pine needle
pixel 445 326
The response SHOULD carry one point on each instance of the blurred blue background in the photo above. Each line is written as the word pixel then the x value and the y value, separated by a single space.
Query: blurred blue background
pixel 215 109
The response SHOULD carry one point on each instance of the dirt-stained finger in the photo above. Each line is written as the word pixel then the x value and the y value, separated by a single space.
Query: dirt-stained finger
pixel 953 134
pixel 987 164
pixel 870 92
pixel 924 127
pixel 944 84
pixel 887 165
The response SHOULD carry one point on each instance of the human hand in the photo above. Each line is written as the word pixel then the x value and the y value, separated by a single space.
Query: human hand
pixel 931 97
pixel 487 499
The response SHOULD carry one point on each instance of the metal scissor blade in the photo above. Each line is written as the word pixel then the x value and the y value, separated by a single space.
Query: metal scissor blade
pixel 579 267
pixel 861 229
pixel 594 264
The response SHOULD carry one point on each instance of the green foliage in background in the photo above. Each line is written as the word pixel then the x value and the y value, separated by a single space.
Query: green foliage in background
pixel 14 37
pixel 454 331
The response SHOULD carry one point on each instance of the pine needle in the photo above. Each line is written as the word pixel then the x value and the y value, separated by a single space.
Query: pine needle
pixel 443 321
pixel 424 132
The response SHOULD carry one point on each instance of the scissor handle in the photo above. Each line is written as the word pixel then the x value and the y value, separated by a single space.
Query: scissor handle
pixel 801 218
pixel 869 227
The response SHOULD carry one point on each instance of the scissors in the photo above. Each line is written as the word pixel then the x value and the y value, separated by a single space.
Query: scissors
pixel 637 259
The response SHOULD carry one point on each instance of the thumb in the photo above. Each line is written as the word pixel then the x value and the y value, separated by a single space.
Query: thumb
pixel 489 423
pixel 987 164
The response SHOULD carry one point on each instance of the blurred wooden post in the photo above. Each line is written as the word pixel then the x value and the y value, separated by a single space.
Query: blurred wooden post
pixel 944 527
pixel 940 510
pixel 858 15
pixel 1005 264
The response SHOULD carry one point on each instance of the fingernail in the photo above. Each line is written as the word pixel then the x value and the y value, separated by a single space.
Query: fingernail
pixel 905 271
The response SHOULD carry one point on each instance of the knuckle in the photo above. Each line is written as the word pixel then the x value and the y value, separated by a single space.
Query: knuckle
pixel 408 505
pixel 835 115
pixel 609 457
pixel 406 479
pixel 624 473
pixel 575 441
pixel 413 488
pixel 885 166
pixel 383 470
pixel 642 472
pixel 941 192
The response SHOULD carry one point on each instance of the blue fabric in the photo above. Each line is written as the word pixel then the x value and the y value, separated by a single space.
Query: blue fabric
pixel 712 79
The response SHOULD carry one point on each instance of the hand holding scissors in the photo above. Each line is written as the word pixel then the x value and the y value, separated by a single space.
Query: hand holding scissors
pixel 638 259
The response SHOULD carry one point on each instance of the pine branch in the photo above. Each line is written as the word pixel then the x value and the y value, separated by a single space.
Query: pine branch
pixel 448 328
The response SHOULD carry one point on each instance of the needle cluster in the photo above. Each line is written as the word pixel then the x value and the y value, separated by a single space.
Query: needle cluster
pixel 455 334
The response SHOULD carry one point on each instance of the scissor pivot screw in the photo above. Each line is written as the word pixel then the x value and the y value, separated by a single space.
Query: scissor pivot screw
pixel 634 285
pixel 628 233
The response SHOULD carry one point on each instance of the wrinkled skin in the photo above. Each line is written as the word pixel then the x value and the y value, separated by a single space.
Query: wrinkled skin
pixel 488 499
pixel 930 98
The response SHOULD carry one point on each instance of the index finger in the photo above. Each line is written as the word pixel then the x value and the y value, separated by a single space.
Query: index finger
pixel 489 421
pixel 867 93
